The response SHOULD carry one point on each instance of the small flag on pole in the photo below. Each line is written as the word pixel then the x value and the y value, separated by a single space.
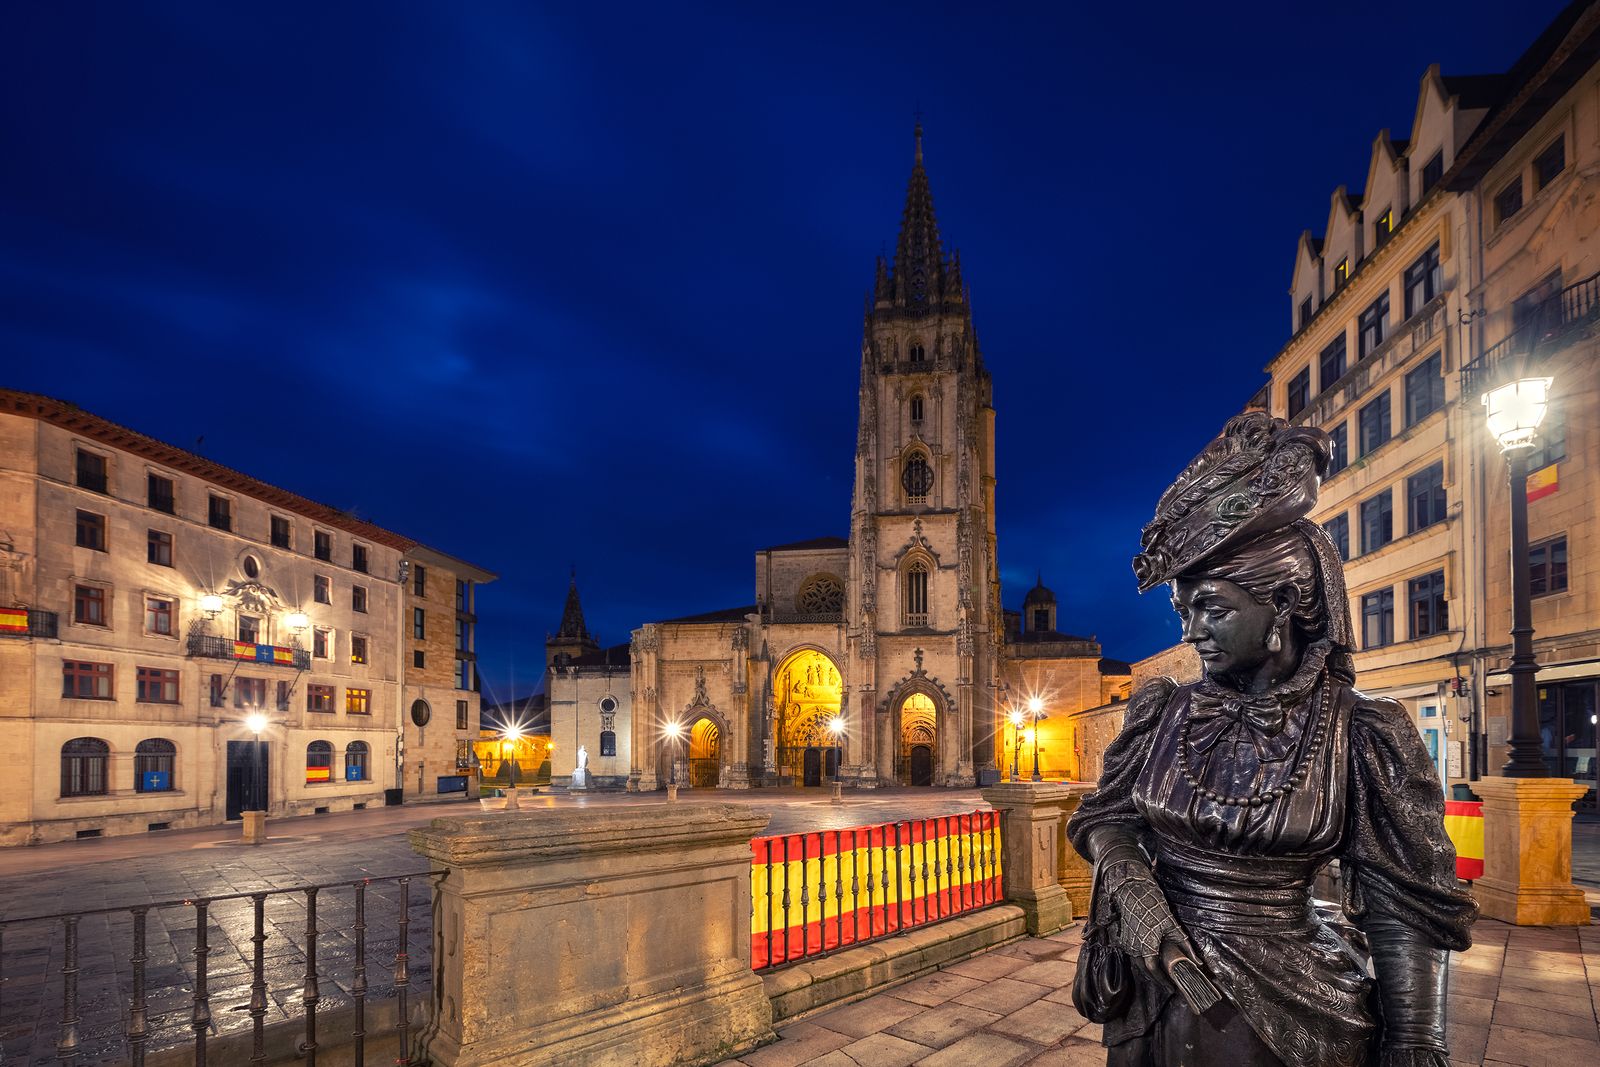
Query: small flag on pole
pixel 1542 482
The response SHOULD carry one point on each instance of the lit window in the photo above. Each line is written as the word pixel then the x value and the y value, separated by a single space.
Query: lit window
pixel 358 701
pixel 1341 273
pixel 319 698
pixel 358 648
pixel 1383 228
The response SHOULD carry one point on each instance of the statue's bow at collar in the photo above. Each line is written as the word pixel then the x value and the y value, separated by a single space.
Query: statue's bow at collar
pixel 1218 715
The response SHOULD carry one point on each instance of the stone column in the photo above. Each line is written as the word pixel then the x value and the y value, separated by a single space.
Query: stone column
pixel 1074 873
pixel 1527 852
pixel 641 920
pixel 1032 820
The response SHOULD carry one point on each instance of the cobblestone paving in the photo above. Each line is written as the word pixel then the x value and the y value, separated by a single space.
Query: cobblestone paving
pixel 185 865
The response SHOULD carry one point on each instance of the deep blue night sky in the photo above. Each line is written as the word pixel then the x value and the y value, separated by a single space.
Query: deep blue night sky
pixel 548 288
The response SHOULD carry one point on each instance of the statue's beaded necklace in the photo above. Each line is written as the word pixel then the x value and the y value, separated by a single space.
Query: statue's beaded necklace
pixel 1319 729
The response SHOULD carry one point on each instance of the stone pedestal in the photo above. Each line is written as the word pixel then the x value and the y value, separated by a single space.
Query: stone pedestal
pixel 513 803
pixel 1032 820
pixel 642 918
pixel 1074 872
pixel 255 827
pixel 672 791
pixel 1527 852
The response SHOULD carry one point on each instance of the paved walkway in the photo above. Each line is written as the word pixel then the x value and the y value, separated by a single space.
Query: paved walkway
pixel 1521 996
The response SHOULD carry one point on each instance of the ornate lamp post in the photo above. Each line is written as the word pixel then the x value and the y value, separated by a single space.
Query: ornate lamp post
pixel 674 731
pixel 1514 413
pixel 836 728
pixel 255 813
pixel 508 751
pixel 1016 742
pixel 1036 709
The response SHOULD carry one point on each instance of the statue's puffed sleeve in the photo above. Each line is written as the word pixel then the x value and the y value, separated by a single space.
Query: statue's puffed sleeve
pixel 1400 879
pixel 1111 804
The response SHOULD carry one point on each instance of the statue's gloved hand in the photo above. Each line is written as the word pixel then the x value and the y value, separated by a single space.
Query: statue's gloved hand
pixel 1412 975
pixel 1146 928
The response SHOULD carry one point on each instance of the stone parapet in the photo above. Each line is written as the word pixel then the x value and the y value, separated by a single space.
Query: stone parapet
pixel 1527 852
pixel 1033 833
pixel 641 915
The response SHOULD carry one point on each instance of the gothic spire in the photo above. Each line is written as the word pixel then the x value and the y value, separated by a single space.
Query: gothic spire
pixel 918 258
pixel 572 627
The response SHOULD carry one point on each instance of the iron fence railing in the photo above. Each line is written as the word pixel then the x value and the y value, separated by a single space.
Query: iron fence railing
pixel 25 942
pixel 210 646
pixel 816 892
pixel 1546 325
pixel 28 622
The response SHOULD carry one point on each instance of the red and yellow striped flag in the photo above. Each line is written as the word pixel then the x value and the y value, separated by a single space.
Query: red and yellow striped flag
pixel 1543 482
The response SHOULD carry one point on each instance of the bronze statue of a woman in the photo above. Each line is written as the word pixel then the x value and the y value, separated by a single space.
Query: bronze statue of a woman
pixel 1221 800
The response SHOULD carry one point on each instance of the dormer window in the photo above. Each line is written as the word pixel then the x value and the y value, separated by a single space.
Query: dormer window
pixel 916 409
pixel 1432 171
pixel 1383 228
pixel 1341 273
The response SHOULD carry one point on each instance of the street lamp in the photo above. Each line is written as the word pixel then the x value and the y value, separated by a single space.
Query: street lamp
pixel 211 604
pixel 1515 410
pixel 1036 709
pixel 297 621
pixel 1016 741
pixel 674 730
pixel 836 728
pixel 256 722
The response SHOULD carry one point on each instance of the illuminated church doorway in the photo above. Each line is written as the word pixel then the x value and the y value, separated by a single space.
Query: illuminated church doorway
pixel 919 739
pixel 806 696
pixel 705 754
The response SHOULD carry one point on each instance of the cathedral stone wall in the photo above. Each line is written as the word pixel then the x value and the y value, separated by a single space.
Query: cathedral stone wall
pixel 780 575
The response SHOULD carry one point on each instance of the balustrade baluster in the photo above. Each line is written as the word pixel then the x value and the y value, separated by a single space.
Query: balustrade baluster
pixel 926 912
pixel 138 1031
pixel 402 972
pixel 311 993
pixel 67 1045
pixel 805 900
pixel 358 986
pixel 786 899
pixel 258 980
pixel 960 880
pixel 200 1019
pixel 771 906
pixel 883 874
pixel 899 882
pixel 838 889
pixel 855 885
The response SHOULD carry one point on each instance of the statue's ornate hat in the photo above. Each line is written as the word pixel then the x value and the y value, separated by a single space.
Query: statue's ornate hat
pixel 1259 476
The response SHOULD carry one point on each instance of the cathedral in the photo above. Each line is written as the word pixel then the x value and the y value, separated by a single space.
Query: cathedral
pixel 879 659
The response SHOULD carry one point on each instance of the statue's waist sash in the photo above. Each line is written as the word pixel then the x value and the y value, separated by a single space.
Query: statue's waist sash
pixel 1221 892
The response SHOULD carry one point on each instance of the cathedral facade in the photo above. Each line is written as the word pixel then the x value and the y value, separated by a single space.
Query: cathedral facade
pixel 875 658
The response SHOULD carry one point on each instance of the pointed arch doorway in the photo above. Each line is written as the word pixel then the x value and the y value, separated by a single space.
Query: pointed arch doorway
pixel 807 690
pixel 919 740
pixel 705 754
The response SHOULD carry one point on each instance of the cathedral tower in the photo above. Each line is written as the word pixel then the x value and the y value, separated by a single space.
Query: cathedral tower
pixel 924 622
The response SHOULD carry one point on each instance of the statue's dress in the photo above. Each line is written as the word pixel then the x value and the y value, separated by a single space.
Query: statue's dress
pixel 1238 876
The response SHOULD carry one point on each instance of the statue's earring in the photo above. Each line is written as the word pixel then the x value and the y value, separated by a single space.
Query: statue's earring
pixel 1274 642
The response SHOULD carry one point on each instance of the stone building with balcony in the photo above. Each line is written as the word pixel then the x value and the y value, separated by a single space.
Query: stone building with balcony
pixel 153 602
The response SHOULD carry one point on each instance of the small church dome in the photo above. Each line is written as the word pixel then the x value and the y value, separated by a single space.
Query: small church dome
pixel 1038 596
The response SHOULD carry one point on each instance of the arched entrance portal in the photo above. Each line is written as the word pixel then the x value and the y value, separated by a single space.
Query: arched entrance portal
pixel 806 694
pixel 705 754
pixel 919 739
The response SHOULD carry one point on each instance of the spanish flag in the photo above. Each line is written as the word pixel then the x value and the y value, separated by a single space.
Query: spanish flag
pixel 1542 482
pixel 319 774
pixel 1463 821
pixel 13 620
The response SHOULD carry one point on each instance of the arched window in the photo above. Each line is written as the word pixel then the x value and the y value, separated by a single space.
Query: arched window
pixel 83 767
pixel 355 761
pixel 152 765
pixel 608 742
pixel 916 594
pixel 319 762
pixel 916 478
pixel 917 352
pixel 916 409
pixel 820 594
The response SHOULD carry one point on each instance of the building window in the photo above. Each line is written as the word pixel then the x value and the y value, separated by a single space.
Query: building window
pixel 463 674
pixel 155 686
pixel 1305 312
pixel 916 586
pixel 418 620
pixel 1299 394
pixel 158 612
pixel 321 589
pixel 283 695
pixel 1508 201
pixel 608 742
pixel 358 648
pixel 282 532
pixel 462 715
pixel 1374 324
pixel 1373 423
pixel 83 767
pixel 1338 530
pixel 1552 439
pixel 419 580
pixel 1547 567
pixel 419 659
pixel 159 494
pixel 1341 273
pixel 219 512
pixel 916 409
pixel 1383 228
pixel 86 681
pixel 1041 619
pixel 249 692
pixel 1549 163
pixel 358 558
pixel 322 545
pixel 1432 172
pixel 319 698
pixel 358 701
pixel 1339 441
pixel 1425 499
pixel 1428 612
pixel 249 629
pixel 355 761
pixel 1331 363
pixel 358 598
pixel 1423 280
pixel 91 531
pixel 463 598
pixel 158 548
pixel 321 640
pixel 1377 619
pixel 1377 521
pixel 916 478
pixel 91 471
pixel 319 762
pixel 1424 390
pixel 153 760
pixel 918 353
pixel 89 605
pixel 219 687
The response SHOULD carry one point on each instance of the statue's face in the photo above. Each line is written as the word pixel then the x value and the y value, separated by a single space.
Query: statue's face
pixel 1226 625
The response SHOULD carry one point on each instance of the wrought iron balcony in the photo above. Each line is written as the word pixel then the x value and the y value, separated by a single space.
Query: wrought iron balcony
pixel 1549 326
pixel 27 622
pixel 210 646
pixel 808 616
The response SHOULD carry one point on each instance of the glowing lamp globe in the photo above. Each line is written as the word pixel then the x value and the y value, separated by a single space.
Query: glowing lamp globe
pixel 836 725
pixel 297 621
pixel 255 722
pixel 1035 705
pixel 1515 411
pixel 211 604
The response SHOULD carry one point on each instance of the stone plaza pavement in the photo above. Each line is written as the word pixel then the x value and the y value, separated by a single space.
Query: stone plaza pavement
pixel 1521 995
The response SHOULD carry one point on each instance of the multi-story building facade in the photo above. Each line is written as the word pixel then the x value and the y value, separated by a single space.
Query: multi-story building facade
pixel 153 602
